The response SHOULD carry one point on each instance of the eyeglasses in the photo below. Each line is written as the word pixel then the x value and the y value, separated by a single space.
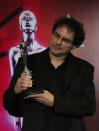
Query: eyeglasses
pixel 66 40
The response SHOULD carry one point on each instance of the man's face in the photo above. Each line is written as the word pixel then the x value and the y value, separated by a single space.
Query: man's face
pixel 61 41
pixel 28 22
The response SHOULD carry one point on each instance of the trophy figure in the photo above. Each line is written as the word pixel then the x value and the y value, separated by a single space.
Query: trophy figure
pixel 26 73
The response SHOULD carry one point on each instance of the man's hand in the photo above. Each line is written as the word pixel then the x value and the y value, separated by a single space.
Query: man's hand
pixel 45 98
pixel 22 84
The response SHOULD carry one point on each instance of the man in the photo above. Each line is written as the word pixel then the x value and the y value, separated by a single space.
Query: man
pixel 28 26
pixel 67 84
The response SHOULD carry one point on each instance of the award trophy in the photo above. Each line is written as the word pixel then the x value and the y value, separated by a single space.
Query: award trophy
pixel 26 73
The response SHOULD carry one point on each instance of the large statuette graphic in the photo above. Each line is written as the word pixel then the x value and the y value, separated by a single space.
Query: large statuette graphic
pixel 26 73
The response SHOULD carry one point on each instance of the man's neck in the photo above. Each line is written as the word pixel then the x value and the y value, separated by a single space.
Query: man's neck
pixel 29 37
pixel 56 61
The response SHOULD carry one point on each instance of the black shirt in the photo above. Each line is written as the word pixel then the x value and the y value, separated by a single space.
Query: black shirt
pixel 55 84
pixel 55 80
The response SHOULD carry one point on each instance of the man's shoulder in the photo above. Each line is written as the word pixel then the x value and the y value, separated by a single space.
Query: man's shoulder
pixel 14 48
pixel 82 62
pixel 37 59
pixel 40 53
pixel 37 47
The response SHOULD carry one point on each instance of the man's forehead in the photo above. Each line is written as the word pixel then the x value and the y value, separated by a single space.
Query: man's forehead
pixel 27 14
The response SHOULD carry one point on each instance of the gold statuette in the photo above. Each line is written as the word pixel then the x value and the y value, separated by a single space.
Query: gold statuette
pixel 26 73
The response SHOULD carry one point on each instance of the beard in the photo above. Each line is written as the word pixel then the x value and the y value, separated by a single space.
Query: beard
pixel 61 54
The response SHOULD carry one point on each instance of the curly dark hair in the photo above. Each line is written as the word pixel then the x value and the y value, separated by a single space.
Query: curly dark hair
pixel 74 25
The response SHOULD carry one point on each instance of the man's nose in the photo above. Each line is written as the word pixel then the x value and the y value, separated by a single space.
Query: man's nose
pixel 27 19
pixel 59 41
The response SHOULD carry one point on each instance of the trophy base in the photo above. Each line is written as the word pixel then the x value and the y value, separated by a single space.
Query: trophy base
pixel 32 92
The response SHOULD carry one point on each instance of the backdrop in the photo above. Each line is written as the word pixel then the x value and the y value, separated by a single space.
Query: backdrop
pixel 47 11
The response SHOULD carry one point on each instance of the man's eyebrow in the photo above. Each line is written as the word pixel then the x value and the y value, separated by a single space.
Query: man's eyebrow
pixel 67 40
pixel 56 33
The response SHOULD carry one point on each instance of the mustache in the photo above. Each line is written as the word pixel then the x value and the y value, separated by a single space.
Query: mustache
pixel 57 46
